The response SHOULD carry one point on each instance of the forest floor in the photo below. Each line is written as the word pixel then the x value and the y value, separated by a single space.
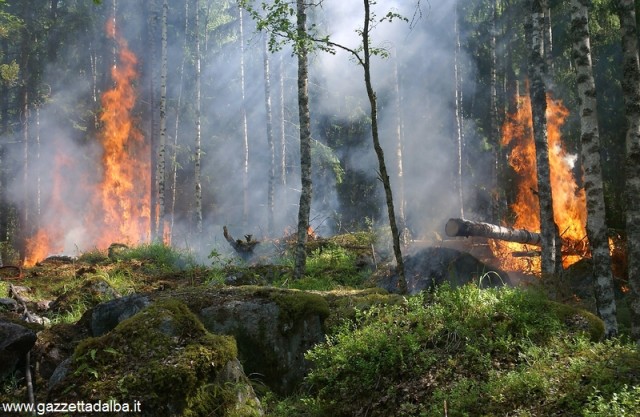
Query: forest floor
pixel 454 351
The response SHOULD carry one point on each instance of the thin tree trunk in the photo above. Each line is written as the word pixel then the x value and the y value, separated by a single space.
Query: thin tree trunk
pixel 304 208
pixel 590 138
pixel 163 126
pixel 631 93
pixel 174 155
pixel 458 115
pixel 38 202
pixel 245 131
pixel 494 124
pixel 154 127
pixel 283 135
pixel 270 141
pixel 400 149
pixel 24 119
pixel 198 150
pixel 402 283
pixel 547 35
pixel 549 262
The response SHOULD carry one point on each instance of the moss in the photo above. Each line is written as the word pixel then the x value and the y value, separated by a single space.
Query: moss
pixel 163 356
pixel 344 303
pixel 578 319
pixel 295 305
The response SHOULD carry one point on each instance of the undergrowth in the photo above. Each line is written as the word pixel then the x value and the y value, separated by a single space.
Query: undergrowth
pixel 491 352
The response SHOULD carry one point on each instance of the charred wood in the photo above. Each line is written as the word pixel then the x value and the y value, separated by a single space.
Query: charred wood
pixel 244 248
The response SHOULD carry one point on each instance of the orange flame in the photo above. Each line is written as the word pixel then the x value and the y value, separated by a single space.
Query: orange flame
pixel 123 195
pixel 569 202
pixel 118 208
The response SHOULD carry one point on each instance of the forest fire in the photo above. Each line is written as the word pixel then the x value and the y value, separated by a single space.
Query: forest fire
pixel 117 207
pixel 569 203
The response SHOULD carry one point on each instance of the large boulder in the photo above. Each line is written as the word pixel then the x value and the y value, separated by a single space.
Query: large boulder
pixel 273 328
pixel 433 266
pixel 161 360
pixel 15 342
pixel 106 316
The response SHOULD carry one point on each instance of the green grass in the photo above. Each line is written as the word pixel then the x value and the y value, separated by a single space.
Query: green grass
pixel 489 352
pixel 327 268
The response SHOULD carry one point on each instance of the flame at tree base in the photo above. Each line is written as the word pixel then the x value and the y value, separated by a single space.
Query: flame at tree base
pixel 569 200
pixel 117 205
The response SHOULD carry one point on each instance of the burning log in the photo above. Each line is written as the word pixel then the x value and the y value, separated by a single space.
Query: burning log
pixel 243 247
pixel 466 228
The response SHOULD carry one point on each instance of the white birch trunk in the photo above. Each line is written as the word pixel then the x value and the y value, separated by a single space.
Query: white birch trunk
pixel 590 139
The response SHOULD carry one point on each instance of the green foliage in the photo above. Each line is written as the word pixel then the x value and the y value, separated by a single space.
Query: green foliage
pixel 482 352
pixel 9 72
pixel 159 257
pixel 623 403
pixel 329 266
pixel 325 159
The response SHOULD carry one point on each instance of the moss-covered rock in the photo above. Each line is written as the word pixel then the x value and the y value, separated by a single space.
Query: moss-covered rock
pixel 273 328
pixel 164 358
pixel 94 290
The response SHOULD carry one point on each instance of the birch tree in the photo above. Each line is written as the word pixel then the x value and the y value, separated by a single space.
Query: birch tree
pixel 270 141
pixel 198 140
pixel 282 30
pixel 163 125
pixel 245 129
pixel 631 93
pixel 590 138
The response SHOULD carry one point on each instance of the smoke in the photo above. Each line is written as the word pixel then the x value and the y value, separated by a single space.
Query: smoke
pixel 422 51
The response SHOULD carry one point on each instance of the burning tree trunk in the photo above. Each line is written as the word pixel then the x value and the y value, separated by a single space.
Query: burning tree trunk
pixel 550 264
pixel 631 92
pixel 590 138
pixel 466 228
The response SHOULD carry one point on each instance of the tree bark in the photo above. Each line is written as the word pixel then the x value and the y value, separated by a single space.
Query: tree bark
pixel 458 115
pixel 466 228
pixel 245 131
pixel 631 93
pixel 270 142
pixel 550 262
pixel 590 138
pixel 384 176
pixel 198 144
pixel 494 123
pixel 174 155
pixel 283 135
pixel 154 127
pixel 400 150
pixel 163 126
pixel 304 208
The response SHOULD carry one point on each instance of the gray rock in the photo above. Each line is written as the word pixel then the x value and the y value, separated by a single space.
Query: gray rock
pixel 430 267
pixel 15 342
pixel 271 341
pixel 106 316
pixel 59 373
pixel 8 304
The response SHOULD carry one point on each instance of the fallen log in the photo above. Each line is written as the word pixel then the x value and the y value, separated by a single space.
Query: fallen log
pixel 466 228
